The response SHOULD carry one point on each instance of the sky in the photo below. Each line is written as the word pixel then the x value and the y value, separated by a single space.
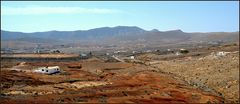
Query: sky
pixel 189 16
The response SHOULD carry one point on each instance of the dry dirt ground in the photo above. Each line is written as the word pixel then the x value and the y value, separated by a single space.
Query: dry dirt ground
pixel 197 77
pixel 206 70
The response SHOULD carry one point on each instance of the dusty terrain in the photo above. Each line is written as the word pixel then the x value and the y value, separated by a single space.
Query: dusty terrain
pixel 190 78
pixel 206 70
pixel 42 55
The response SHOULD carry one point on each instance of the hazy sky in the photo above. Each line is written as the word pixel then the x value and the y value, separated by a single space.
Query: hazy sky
pixel 189 16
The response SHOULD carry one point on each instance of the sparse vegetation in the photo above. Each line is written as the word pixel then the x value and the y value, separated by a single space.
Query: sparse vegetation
pixel 149 75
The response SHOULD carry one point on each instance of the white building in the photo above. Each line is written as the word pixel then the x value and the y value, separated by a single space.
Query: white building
pixel 48 70
pixel 132 57
pixel 178 53
pixel 221 53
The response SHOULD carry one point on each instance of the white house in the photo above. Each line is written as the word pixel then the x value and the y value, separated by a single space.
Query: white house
pixel 48 70
pixel 178 53
pixel 132 57
pixel 221 53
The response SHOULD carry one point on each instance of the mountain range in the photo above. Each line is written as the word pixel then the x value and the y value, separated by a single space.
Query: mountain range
pixel 115 35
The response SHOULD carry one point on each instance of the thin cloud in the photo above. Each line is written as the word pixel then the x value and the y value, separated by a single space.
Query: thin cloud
pixel 55 10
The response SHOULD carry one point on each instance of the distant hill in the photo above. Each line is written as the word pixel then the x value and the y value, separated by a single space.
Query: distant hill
pixel 115 35
pixel 92 34
pixel 97 34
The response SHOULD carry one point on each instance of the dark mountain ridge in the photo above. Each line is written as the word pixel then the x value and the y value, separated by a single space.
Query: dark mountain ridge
pixel 92 34
pixel 116 34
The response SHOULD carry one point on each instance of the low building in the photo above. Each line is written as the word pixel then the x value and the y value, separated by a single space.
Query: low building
pixel 132 57
pixel 48 70
pixel 184 51
pixel 178 53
